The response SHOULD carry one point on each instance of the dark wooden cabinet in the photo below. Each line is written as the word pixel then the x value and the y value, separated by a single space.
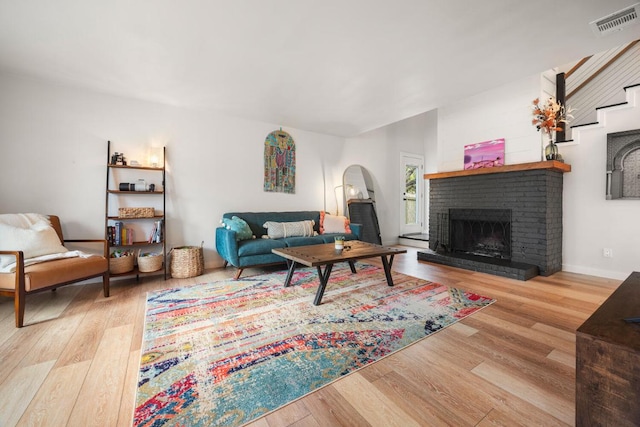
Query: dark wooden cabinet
pixel 363 211
pixel 608 361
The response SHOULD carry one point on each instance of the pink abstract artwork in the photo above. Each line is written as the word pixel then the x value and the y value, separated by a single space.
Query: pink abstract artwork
pixel 484 154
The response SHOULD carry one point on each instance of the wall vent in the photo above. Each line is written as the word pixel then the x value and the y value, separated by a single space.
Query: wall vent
pixel 616 21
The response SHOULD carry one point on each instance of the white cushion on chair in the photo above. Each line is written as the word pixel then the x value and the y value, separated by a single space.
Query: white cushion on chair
pixel 29 233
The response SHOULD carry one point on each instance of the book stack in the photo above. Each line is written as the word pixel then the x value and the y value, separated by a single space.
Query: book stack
pixel 119 235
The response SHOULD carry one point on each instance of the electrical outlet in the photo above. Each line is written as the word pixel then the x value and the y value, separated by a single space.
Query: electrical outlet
pixel 607 252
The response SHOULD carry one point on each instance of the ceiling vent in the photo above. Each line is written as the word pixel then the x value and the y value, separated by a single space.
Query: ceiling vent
pixel 616 21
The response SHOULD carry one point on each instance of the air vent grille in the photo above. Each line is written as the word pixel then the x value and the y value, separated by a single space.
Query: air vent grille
pixel 616 21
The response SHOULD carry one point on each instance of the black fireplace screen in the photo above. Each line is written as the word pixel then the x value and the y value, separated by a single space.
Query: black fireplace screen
pixel 482 232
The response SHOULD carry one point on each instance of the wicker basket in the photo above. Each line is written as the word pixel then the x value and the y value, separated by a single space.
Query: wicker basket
pixel 122 264
pixel 187 261
pixel 136 212
pixel 147 264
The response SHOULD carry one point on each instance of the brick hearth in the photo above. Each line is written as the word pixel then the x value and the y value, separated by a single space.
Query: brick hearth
pixel 533 193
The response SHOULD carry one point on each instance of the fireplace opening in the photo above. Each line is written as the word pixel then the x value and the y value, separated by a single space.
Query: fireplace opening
pixel 481 232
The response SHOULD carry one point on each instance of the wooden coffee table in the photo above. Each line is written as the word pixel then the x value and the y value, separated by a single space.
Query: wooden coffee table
pixel 326 255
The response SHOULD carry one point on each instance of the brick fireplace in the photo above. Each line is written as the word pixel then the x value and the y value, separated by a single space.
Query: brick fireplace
pixel 505 220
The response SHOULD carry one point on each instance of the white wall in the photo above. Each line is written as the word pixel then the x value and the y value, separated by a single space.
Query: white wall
pixel 53 156
pixel 501 113
pixel 590 222
pixel 379 152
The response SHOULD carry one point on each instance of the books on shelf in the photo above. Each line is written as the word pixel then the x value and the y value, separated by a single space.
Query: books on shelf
pixel 119 235
pixel 156 235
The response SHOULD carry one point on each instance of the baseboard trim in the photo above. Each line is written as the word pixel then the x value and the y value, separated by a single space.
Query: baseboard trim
pixel 423 244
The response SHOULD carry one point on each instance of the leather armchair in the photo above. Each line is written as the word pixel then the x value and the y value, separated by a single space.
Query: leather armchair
pixel 52 274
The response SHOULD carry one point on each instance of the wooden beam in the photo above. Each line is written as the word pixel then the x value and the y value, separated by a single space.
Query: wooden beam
pixel 551 164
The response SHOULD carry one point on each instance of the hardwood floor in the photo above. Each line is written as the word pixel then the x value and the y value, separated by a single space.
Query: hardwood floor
pixel 513 363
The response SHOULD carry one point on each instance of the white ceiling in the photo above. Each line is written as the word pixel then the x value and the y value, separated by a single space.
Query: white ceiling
pixel 337 67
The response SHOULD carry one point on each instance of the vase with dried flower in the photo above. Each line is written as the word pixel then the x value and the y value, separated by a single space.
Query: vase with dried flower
pixel 548 118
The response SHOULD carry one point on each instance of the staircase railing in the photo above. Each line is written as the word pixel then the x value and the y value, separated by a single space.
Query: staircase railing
pixel 611 69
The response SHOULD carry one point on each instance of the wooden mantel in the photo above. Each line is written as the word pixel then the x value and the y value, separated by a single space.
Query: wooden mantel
pixel 551 165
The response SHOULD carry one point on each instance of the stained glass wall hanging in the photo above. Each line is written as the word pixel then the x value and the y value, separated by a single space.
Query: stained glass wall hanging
pixel 279 163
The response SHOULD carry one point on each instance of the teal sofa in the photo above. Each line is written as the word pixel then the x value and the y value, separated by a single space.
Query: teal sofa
pixel 257 252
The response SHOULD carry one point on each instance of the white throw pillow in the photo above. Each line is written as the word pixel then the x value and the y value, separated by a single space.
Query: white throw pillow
pixel 278 230
pixel 29 233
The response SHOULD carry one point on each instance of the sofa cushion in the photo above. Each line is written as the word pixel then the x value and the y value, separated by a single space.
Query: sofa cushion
pixel 278 230
pixel 333 223
pixel 240 226
pixel 262 259
pixel 259 246
pixel 303 241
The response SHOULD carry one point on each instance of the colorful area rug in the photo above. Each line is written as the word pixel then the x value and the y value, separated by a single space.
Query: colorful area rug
pixel 225 353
